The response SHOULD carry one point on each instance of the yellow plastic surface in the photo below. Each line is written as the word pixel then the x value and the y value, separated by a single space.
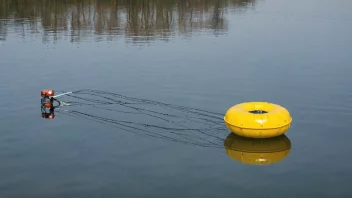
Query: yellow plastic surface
pixel 257 151
pixel 274 123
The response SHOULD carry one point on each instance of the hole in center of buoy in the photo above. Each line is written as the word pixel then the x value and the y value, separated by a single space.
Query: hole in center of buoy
pixel 258 112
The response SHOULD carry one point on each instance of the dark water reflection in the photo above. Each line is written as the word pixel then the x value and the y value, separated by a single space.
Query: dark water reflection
pixel 200 54
pixel 137 21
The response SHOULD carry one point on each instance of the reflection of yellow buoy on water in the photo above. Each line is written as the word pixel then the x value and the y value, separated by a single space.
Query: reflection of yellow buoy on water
pixel 257 151
pixel 258 120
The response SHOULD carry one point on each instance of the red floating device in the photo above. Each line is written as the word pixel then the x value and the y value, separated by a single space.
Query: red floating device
pixel 48 105
pixel 47 93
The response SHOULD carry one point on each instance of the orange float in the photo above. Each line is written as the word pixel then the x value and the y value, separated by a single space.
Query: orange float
pixel 47 93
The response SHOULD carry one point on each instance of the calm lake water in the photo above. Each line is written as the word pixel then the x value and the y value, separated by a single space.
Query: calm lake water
pixel 207 55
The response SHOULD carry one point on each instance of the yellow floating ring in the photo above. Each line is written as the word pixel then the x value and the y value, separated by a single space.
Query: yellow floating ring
pixel 257 151
pixel 258 119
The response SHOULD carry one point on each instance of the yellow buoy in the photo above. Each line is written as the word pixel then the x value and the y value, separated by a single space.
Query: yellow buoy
pixel 257 151
pixel 258 119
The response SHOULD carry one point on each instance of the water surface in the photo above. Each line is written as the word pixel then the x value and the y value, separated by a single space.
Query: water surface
pixel 207 55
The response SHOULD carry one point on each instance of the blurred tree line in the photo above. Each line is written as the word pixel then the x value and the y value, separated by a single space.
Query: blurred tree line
pixel 136 19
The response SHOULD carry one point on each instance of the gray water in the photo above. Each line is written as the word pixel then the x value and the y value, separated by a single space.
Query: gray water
pixel 208 55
